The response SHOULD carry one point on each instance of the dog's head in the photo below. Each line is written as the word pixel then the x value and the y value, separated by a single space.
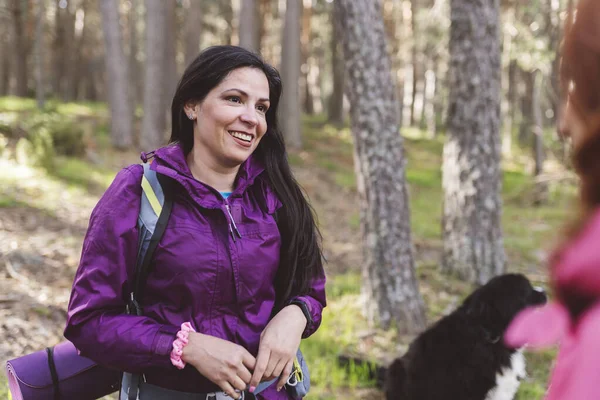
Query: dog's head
pixel 495 304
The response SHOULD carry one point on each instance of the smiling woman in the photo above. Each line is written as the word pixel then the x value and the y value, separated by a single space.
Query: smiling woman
pixel 232 290
pixel 229 124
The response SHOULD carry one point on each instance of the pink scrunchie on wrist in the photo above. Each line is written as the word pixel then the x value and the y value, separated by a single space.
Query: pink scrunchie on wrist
pixel 179 343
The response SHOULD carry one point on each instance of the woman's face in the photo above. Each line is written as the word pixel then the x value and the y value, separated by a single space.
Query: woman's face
pixel 231 120
pixel 571 124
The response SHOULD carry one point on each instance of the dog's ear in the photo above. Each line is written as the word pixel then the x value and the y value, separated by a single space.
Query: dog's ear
pixel 481 307
pixel 475 304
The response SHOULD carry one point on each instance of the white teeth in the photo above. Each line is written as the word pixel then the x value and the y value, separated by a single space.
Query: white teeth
pixel 243 136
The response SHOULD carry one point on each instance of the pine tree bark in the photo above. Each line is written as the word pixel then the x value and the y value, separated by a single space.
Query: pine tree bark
pixel 154 120
pixel 20 48
pixel 290 75
pixel 40 89
pixel 336 100
pixel 473 243
pixel 389 280
pixel 118 77
pixel 5 61
pixel 135 81
pixel 192 30
pixel 541 187
pixel 249 27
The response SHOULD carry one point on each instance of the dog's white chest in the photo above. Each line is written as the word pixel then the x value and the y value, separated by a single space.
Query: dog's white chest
pixel 509 379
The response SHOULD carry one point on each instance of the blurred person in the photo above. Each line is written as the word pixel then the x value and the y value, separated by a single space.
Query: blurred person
pixel 573 320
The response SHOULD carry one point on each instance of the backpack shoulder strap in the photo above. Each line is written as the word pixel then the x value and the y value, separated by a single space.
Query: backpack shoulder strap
pixel 155 209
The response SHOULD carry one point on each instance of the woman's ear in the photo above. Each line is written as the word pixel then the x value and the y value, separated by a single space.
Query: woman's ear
pixel 191 110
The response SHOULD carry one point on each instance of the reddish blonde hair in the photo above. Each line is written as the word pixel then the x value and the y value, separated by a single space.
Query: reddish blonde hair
pixel 580 81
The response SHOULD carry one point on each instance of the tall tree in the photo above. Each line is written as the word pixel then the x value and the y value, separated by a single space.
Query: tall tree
pixel 335 109
pixel 135 81
pixel 192 28
pixel 118 77
pixel 63 49
pixel 5 61
pixel 20 46
pixel 249 33
pixel 541 189
pixel 290 74
pixel 389 280
pixel 154 121
pixel 473 244
pixel 171 52
pixel 39 54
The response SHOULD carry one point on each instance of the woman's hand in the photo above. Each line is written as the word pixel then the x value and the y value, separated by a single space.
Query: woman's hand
pixel 224 363
pixel 279 343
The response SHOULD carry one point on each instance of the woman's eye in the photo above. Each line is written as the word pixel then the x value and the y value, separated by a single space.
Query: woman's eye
pixel 235 99
pixel 262 109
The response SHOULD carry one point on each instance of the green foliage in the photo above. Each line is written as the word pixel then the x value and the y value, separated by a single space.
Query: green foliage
pixel 77 172
pixel 65 132
pixel 36 150
pixel 13 103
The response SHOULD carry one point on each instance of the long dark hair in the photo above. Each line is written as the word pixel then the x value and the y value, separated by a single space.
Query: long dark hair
pixel 580 78
pixel 301 253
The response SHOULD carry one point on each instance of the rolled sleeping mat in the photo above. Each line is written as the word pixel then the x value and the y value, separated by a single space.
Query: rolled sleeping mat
pixel 59 372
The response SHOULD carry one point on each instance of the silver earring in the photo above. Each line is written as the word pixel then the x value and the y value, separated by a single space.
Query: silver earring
pixel 190 116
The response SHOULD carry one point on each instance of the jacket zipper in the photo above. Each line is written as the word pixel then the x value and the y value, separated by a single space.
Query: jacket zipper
pixel 233 230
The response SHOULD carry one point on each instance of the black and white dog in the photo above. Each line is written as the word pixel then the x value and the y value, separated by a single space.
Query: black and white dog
pixel 462 356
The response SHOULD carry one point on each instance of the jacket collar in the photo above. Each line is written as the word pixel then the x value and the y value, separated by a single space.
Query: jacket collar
pixel 171 161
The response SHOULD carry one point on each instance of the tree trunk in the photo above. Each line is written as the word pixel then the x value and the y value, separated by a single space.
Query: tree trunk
pixel 290 75
pixel 249 27
pixel 227 13
pixel 117 74
pixel 192 30
pixel 39 54
pixel 336 100
pixel 154 121
pixel 4 61
pixel 389 280
pixel 80 53
pixel 506 104
pixel 171 54
pixel 307 65
pixel 526 110
pixel 553 32
pixel 416 63
pixel 20 48
pixel 473 244
pixel 135 84
pixel 541 188
pixel 69 61
pixel 58 51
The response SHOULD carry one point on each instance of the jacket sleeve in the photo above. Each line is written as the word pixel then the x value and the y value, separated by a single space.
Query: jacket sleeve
pixel 312 305
pixel 96 323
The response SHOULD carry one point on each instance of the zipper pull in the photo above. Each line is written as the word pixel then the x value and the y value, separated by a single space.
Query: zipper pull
pixel 232 222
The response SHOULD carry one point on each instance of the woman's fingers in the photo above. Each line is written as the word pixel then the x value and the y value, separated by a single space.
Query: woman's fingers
pixel 262 361
pixel 244 374
pixel 238 383
pixel 285 374
pixel 229 390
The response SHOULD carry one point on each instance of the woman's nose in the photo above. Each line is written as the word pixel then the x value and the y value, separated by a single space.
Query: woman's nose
pixel 249 116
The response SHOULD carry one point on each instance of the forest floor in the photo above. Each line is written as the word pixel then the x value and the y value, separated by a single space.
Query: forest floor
pixel 44 215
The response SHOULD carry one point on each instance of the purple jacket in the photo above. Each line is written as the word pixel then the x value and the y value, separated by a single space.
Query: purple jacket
pixel 224 287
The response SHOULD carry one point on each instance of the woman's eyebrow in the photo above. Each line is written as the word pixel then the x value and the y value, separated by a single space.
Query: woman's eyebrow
pixel 245 94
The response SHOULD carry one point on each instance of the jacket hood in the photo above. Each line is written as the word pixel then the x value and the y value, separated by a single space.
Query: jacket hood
pixel 171 161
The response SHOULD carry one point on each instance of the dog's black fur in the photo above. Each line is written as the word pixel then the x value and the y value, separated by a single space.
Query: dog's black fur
pixel 459 356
